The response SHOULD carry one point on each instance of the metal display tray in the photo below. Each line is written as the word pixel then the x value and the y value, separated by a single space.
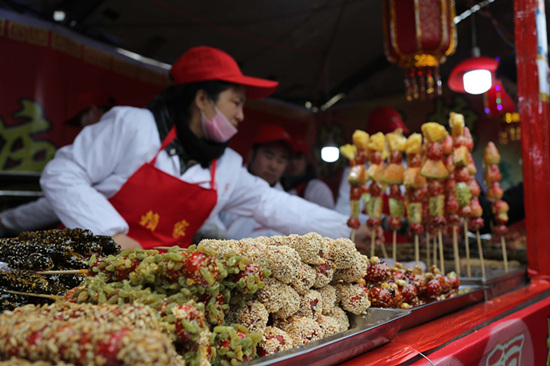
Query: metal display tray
pixel 425 313
pixel 377 327
pixel 497 282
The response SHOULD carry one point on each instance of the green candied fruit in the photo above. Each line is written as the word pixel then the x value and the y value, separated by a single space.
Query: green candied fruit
pixel 207 275
pixel 232 261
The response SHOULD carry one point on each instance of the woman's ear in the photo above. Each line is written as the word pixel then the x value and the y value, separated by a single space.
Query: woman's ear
pixel 201 99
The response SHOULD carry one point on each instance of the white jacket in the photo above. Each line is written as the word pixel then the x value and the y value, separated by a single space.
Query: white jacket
pixel 238 227
pixel 318 192
pixel 82 177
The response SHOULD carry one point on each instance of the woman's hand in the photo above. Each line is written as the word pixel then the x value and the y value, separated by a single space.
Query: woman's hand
pixel 363 237
pixel 126 242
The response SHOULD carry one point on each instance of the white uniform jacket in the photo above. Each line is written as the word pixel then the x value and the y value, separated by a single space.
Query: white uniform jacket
pixel 238 227
pixel 82 177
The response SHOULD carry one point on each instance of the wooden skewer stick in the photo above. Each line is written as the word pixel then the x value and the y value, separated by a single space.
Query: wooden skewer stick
pixel 428 256
pixel 456 252
pixel 394 248
pixel 504 255
pixel 416 250
pixel 353 235
pixel 45 296
pixel 434 247
pixel 384 252
pixel 441 257
pixel 467 244
pixel 372 240
pixel 67 271
pixel 480 254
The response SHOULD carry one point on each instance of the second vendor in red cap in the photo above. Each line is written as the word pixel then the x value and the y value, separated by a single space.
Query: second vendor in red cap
pixel 152 176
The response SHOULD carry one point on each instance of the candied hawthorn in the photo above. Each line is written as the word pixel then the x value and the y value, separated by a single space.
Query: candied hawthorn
pixel 195 262
pixel 462 175
pixel 378 272
pixel 251 269
pixel 354 222
pixel 409 293
pixel 122 273
pixel 417 228
pixel 380 297
pixel 107 349
pixel 190 313
pixel 280 339
pixel 373 222
pixel 394 223
pixel 433 288
pixel 434 151
pixel 375 189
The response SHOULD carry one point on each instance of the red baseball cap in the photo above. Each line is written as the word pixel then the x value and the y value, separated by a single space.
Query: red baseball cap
pixel 385 119
pixel 272 133
pixel 299 144
pixel 204 63
pixel 86 100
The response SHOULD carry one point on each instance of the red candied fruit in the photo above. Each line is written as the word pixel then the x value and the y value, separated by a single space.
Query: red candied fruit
pixel 251 269
pixel 108 348
pixel 262 352
pixel 380 297
pixel 193 264
pixel 378 272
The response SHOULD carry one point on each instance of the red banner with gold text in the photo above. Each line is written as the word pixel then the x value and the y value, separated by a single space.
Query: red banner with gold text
pixel 44 70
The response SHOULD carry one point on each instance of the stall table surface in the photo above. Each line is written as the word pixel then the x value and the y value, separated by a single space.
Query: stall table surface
pixel 424 344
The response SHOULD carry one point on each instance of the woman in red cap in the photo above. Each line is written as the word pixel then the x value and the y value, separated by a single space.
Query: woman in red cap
pixel 268 159
pixel 153 176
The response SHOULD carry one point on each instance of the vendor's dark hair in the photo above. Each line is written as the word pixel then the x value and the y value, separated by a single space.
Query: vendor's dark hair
pixel 172 106
pixel 507 68
pixel 177 99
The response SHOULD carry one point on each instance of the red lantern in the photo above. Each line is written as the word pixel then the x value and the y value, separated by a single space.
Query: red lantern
pixel 419 35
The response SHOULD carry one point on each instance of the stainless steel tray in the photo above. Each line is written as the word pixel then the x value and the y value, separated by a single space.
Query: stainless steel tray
pixel 425 313
pixel 497 282
pixel 366 332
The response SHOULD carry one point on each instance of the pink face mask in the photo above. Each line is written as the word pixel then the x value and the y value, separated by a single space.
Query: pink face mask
pixel 218 129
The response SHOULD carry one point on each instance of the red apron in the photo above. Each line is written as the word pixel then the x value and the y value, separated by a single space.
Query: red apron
pixel 161 209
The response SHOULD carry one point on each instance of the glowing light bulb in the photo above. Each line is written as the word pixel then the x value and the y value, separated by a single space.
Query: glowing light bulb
pixel 330 154
pixel 477 81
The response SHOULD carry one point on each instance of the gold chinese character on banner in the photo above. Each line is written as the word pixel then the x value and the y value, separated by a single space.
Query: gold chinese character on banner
pixel 179 228
pixel 150 220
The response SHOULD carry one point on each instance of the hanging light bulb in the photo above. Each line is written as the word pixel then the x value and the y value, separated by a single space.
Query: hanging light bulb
pixel 477 81
pixel 475 74
pixel 330 152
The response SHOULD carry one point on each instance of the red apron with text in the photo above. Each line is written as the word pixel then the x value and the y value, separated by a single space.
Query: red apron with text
pixel 161 209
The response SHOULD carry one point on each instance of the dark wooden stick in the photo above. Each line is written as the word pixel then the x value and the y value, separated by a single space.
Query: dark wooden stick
pixel 46 296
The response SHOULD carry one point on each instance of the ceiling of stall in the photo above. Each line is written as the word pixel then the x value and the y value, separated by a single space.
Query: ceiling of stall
pixel 315 48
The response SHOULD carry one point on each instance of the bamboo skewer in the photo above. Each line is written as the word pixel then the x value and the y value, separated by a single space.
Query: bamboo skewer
pixel 416 250
pixel 428 256
pixel 467 244
pixel 504 255
pixel 384 252
pixel 45 296
pixel 353 235
pixel 67 271
pixel 441 257
pixel 372 240
pixel 394 248
pixel 480 254
pixel 456 252
pixel 434 248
